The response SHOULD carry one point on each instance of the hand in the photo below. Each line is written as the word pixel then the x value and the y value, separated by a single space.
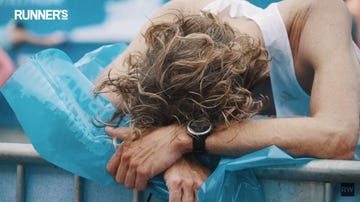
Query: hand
pixel 184 179
pixel 139 160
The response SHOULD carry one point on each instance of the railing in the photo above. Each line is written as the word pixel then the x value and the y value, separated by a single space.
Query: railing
pixel 315 181
pixel 24 155
pixel 318 180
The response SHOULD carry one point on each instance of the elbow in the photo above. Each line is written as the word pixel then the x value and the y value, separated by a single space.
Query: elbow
pixel 345 153
pixel 343 141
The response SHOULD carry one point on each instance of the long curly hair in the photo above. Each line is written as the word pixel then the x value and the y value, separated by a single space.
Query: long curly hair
pixel 193 68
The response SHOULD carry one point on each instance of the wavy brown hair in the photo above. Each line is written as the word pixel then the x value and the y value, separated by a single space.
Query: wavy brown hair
pixel 195 67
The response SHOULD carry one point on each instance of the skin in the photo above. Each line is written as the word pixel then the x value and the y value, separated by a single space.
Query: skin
pixel 184 179
pixel 20 35
pixel 6 67
pixel 325 66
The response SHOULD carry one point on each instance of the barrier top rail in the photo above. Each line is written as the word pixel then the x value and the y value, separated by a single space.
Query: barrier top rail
pixel 316 170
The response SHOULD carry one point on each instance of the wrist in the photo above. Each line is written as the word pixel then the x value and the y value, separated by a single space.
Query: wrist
pixel 183 141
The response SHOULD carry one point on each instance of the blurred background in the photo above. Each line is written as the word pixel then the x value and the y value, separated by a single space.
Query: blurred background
pixel 90 25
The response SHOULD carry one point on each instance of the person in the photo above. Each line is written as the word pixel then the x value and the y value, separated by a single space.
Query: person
pixel 199 66
pixel 14 33
pixel 6 67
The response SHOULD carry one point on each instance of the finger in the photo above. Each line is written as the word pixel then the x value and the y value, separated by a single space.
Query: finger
pixel 188 194
pixel 130 178
pixel 121 173
pixel 122 168
pixel 120 132
pixel 141 180
pixel 114 162
pixel 142 171
pixel 174 194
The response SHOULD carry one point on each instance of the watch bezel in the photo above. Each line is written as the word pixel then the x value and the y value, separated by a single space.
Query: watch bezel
pixel 192 132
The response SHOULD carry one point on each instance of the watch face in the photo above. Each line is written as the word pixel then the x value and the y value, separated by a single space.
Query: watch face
pixel 199 127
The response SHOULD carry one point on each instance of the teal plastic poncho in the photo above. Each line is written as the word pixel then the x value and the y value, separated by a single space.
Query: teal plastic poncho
pixel 53 100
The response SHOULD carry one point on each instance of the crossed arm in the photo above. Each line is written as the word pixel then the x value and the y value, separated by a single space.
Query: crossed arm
pixel 330 132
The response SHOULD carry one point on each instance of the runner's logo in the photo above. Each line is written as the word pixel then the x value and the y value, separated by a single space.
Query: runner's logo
pixel 41 14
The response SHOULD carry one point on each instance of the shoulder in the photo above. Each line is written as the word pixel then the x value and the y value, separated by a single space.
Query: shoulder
pixel 316 25
pixel 293 11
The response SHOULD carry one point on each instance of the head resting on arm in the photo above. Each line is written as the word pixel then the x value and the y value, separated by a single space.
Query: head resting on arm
pixel 196 67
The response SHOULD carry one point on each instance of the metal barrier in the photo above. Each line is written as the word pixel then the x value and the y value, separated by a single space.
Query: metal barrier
pixel 318 180
pixel 24 155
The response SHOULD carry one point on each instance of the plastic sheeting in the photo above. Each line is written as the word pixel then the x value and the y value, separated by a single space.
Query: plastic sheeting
pixel 53 101
pixel 233 179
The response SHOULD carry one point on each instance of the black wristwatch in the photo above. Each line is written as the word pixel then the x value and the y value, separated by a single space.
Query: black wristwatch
pixel 199 130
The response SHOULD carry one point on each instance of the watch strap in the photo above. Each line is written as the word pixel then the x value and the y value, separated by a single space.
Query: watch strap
pixel 199 144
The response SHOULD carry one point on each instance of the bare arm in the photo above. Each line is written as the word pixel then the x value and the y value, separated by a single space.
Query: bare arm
pixel 20 35
pixel 332 130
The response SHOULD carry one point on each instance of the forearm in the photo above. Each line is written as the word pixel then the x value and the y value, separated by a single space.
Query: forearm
pixel 298 136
